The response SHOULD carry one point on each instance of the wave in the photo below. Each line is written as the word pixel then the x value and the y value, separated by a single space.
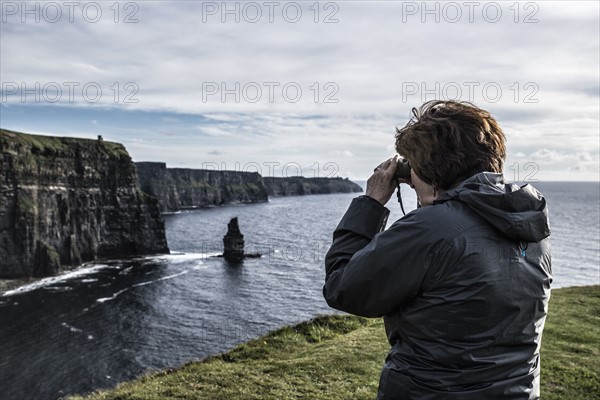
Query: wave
pixel 51 280
pixel 180 257
pixel 114 296
pixel 88 269
pixel 71 327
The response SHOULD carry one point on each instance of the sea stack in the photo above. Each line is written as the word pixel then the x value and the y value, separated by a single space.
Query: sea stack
pixel 233 242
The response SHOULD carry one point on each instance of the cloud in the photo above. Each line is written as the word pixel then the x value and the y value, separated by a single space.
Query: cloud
pixel 218 131
pixel 366 62
pixel 342 153
pixel 170 120
pixel 310 92
pixel 551 156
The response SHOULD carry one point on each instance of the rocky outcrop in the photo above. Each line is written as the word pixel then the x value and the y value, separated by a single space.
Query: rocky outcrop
pixel 64 201
pixel 297 185
pixel 233 242
pixel 182 188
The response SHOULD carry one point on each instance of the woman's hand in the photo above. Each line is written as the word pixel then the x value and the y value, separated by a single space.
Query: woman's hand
pixel 381 184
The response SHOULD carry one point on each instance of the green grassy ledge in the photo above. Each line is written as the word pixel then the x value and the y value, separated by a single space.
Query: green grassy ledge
pixel 41 144
pixel 340 357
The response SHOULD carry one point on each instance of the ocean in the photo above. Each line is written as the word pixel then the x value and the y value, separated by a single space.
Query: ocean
pixel 111 321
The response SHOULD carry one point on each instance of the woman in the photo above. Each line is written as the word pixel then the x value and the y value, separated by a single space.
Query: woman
pixel 462 282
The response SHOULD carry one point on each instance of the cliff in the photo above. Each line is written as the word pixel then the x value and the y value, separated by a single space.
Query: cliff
pixel 181 188
pixel 297 185
pixel 65 201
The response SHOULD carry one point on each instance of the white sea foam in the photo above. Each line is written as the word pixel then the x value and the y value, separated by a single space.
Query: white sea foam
pixel 178 258
pixel 71 328
pixel 58 288
pixel 171 212
pixel 84 270
pixel 114 296
pixel 87 269
pixel 125 271
pixel 161 279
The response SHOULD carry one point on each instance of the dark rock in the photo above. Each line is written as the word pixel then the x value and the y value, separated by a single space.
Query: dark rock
pixel 46 261
pixel 233 242
pixel 64 201
pixel 298 185
pixel 183 188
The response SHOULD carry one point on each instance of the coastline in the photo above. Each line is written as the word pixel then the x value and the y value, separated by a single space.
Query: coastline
pixel 340 357
pixel 65 272
pixel 7 285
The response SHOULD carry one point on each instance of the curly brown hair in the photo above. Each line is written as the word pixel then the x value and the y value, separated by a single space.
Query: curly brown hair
pixel 447 142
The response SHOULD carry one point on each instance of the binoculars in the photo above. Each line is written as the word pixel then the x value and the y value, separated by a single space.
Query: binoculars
pixel 402 170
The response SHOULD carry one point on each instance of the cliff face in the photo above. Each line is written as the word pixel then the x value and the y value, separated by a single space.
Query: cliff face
pixel 180 188
pixel 297 185
pixel 64 201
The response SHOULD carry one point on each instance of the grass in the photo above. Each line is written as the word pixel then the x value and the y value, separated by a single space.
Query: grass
pixel 571 345
pixel 40 144
pixel 340 357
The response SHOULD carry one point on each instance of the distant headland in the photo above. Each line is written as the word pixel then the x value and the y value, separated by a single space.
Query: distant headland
pixel 182 188
pixel 65 201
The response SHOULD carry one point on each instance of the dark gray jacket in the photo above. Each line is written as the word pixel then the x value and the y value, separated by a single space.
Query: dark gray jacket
pixel 463 304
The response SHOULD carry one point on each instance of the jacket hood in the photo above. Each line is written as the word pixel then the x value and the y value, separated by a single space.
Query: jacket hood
pixel 519 212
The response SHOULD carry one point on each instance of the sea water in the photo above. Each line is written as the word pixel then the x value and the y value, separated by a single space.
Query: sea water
pixel 112 321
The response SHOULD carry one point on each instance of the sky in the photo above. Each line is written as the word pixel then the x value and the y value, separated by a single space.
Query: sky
pixel 310 88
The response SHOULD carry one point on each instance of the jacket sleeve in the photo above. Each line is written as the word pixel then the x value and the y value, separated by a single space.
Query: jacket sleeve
pixel 369 272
